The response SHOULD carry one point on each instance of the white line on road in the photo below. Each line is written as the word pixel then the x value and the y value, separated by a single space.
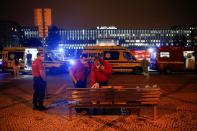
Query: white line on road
pixel 60 89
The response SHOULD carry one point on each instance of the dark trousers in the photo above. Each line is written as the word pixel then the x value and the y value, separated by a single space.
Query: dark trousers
pixel 39 90
pixel 81 84
pixel 29 63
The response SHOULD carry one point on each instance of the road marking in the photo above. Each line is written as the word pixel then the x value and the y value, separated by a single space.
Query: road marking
pixel 26 76
pixel 60 89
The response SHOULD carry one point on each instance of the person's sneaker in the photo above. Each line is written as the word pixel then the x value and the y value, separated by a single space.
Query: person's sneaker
pixel 42 108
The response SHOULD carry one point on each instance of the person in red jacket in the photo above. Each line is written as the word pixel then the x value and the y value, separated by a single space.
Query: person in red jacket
pixel 100 71
pixel 99 76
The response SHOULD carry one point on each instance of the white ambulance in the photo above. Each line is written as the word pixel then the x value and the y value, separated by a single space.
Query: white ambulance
pixel 51 63
pixel 119 57
pixel 19 53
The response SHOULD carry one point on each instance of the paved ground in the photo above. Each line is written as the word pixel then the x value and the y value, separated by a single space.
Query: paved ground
pixel 177 110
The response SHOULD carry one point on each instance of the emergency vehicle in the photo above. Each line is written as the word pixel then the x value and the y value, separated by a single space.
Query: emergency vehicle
pixel 119 58
pixel 19 53
pixel 51 63
pixel 171 58
pixel 141 54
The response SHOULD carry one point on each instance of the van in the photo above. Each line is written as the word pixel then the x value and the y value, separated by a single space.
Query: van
pixel 119 58
pixel 54 64
pixel 19 53
pixel 174 58
pixel 51 63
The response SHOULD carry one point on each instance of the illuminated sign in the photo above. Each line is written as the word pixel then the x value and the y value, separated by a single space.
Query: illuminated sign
pixel 165 54
pixel 106 27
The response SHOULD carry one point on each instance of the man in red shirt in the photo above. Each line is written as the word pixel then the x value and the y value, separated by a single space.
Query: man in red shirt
pixel 79 72
pixel 100 71
pixel 39 82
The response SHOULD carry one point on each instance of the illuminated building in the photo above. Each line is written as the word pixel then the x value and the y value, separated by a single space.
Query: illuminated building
pixel 78 38
pixel 42 19
pixel 29 32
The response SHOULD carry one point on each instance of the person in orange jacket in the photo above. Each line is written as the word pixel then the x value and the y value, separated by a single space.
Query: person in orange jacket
pixel 100 71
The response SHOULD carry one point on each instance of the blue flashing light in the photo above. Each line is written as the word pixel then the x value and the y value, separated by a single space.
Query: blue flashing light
pixel 72 62
pixel 61 50
pixel 150 50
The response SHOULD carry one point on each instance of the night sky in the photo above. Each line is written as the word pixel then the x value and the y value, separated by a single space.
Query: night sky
pixel 92 13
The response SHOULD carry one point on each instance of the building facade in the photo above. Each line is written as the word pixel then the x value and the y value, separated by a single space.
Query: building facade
pixel 79 38
pixel 43 20
pixel 28 32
